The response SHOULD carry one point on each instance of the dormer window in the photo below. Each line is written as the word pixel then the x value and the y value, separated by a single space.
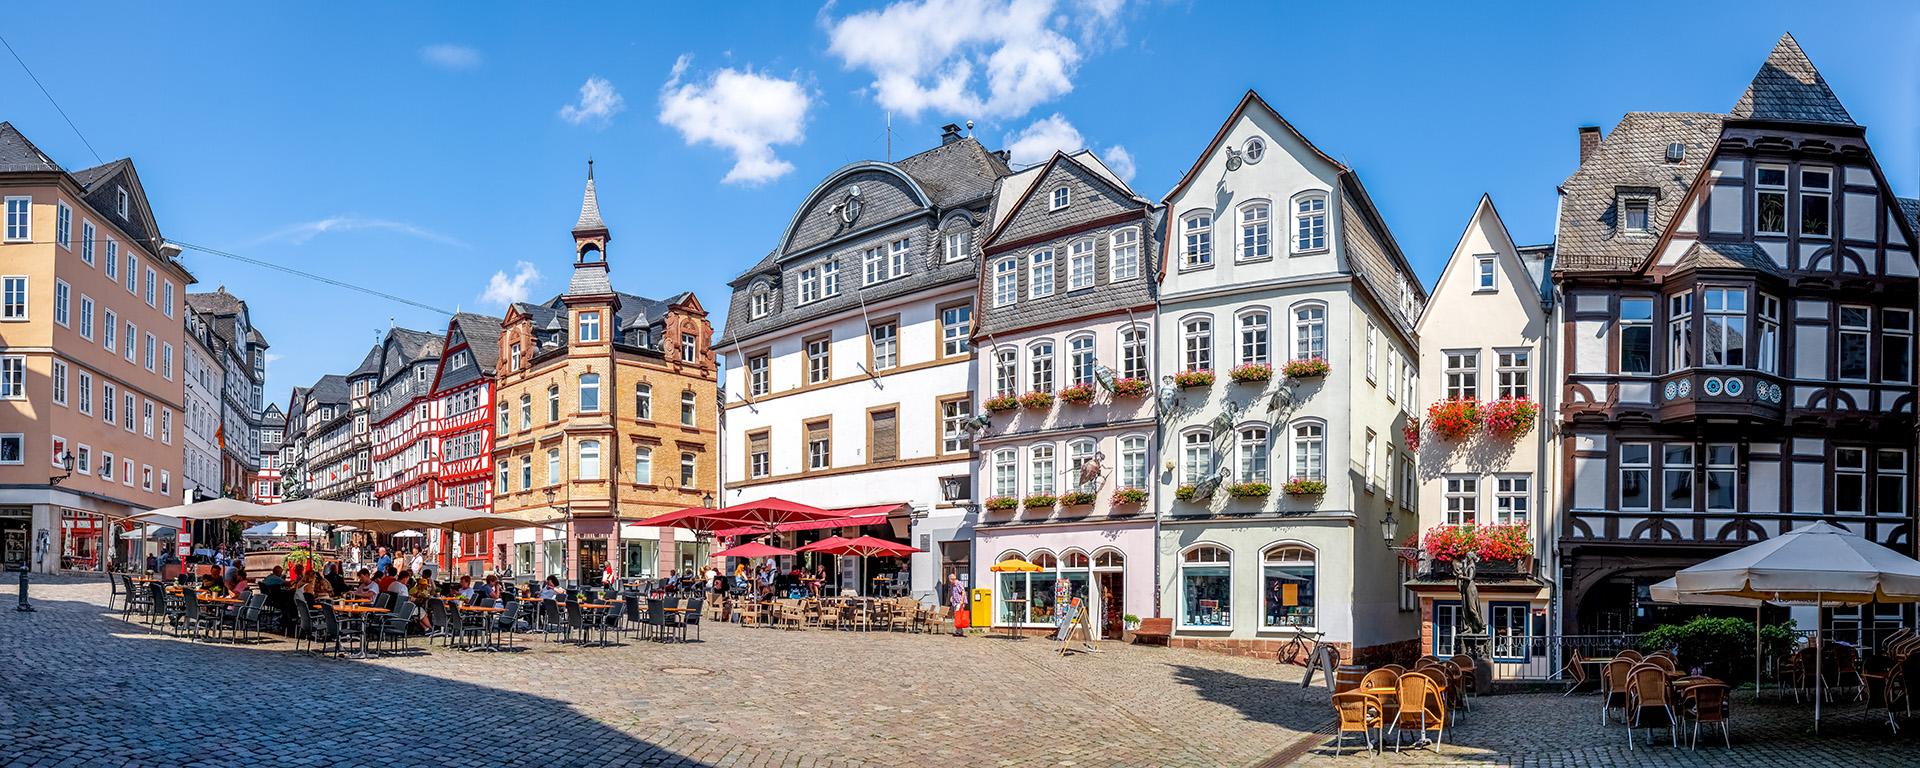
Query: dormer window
pixel 126 200
pixel 1486 276
pixel 760 303
pixel 1636 216
pixel 1060 198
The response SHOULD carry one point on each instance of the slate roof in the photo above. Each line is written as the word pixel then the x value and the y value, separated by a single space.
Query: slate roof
pixel 636 320
pixel 1633 155
pixel 216 302
pixel 483 338
pixel 1538 259
pixel 272 417
pixel 1789 88
pixel 88 177
pixel 331 388
pixel 369 365
pixel 409 346
pixel 1741 256
pixel 589 207
pixel 956 173
pixel 19 155
pixel 1911 207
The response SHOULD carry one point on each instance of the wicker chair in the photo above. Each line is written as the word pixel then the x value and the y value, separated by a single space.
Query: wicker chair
pixel 1576 671
pixel 1647 692
pixel 1397 669
pixel 1357 712
pixel 1629 654
pixel 1381 679
pixel 1348 677
pixel 1707 703
pixel 1613 688
pixel 1420 709
pixel 1663 661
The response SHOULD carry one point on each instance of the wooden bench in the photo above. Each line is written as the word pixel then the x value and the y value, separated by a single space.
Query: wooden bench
pixel 1153 631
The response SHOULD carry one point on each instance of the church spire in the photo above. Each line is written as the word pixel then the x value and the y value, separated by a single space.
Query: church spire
pixel 590 235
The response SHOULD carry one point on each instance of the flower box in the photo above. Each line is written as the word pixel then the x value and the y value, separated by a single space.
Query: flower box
pixel 1038 401
pixel 1454 419
pixel 1076 498
pixel 1078 394
pixel 1039 501
pixel 1002 502
pixel 1130 496
pixel 1249 490
pixel 1001 403
pixel 1308 368
pixel 1186 492
pixel 1509 545
pixel 1251 372
pixel 1189 379
pixel 1511 417
pixel 1131 387
pixel 1304 486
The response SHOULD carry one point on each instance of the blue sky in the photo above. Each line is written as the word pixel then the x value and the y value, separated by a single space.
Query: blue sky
pixel 424 149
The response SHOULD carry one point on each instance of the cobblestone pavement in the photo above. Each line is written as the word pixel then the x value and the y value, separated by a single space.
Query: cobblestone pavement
pixel 80 687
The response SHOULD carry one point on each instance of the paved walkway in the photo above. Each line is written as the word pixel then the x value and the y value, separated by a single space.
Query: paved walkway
pixel 80 687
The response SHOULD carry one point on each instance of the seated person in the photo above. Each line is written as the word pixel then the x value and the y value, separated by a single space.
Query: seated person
pixel 489 589
pixel 364 584
pixel 550 589
pixel 466 588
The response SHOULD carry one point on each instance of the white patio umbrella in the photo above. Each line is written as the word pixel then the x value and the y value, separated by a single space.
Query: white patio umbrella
pixel 1818 564
pixel 214 509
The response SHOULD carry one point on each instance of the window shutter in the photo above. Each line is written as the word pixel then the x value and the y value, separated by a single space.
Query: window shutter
pixel 886 436
pixel 757 443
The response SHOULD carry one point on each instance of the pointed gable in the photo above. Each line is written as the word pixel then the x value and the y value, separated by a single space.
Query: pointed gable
pixel 102 185
pixel 1093 193
pixel 1788 88
pixel 19 155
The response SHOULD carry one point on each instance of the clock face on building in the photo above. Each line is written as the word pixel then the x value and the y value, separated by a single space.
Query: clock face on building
pixel 850 206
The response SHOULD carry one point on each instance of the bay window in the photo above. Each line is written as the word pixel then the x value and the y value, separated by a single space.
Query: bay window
pixel 589 459
pixel 1679 332
pixel 1766 341
pixel 1725 333
pixel 1856 331
pixel 1636 476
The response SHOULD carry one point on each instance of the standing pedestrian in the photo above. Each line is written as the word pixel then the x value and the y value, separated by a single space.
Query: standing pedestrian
pixel 957 597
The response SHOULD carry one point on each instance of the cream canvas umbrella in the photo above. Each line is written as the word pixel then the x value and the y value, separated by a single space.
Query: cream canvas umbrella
pixel 1818 564
pixel 213 509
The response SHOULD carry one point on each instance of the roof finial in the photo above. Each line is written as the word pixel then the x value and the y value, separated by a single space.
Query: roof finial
pixel 589 206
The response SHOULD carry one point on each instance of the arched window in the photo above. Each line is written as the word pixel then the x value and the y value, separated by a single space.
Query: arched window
pixel 1040 366
pixel 589 393
pixel 1196 455
pixel 1133 352
pixel 1309 331
pixel 1196 231
pixel 553 466
pixel 643 402
pixel 1196 343
pixel 1309 450
pixel 761 302
pixel 1006 472
pixel 1044 559
pixel 1310 222
pixel 1256 230
pixel 1133 462
pixel 1074 558
pixel 1006 282
pixel 1109 559
pixel 643 465
pixel 1081 453
pixel 526 412
pixel 687 400
pixel 589 459
pixel 1255 336
pixel 1080 265
pixel 1206 587
pixel 1040 273
pixel 1006 371
pixel 1253 449
pixel 1288 582
pixel 1080 359
pixel 1040 470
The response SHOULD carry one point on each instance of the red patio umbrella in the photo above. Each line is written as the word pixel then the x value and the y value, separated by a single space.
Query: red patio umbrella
pixel 865 546
pixel 753 549
pixel 765 513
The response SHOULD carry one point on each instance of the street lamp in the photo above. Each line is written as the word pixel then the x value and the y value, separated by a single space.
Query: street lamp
pixel 66 463
pixel 1390 528
pixel 707 501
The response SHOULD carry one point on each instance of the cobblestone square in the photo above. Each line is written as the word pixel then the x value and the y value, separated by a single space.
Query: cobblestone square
pixel 80 687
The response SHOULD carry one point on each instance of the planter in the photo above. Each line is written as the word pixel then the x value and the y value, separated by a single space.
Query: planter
pixel 1042 501
pixel 1308 368
pixel 1412 433
pixel 1511 417
pixel 999 403
pixel 1251 373
pixel 1191 379
pixel 1251 490
pixel 1076 498
pixel 1130 496
pixel 1078 394
pixel 1131 387
pixel 1454 419
pixel 1185 492
pixel 1304 486
pixel 1002 502
pixel 1037 400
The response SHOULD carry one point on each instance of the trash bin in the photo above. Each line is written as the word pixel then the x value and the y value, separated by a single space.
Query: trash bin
pixel 981 609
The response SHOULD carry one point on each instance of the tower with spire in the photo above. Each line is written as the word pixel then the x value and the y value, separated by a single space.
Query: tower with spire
pixel 590 238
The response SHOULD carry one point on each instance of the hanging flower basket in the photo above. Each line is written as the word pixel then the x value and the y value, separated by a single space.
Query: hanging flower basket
pixel 1304 486
pixel 1505 543
pixel 1130 496
pixel 1251 372
pixel 1190 379
pixel 1412 432
pixel 1447 543
pixel 1002 502
pixel 1078 394
pixel 1038 401
pixel 1039 501
pixel 1454 419
pixel 1131 387
pixel 1309 368
pixel 1249 490
pixel 1076 498
pixel 1511 417
pixel 1185 492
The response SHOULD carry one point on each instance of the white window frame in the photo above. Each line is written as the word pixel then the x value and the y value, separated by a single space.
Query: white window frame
pixel 1006 370
pixel 20 441
pixel 1040 367
pixel 1253 453
pixel 62 303
pixel 1196 343
pixel 1512 499
pixel 1309 449
pixel 1197 459
pixel 1006 281
pixel 63 225
pixel 1254 331
pixel 1042 475
pixel 1309 322
pixel 1808 195
pixel 13 377
pixel 1190 561
pixel 1135 352
pixel 1081 269
pixel 1725 471
pixel 1486 274
pixel 1723 320
pixel 1256 231
pixel 1040 265
pixel 19 224
pixel 1462 374
pixel 1059 198
pixel 1006 472
pixel 86 241
pixel 589 326
pixel 59 381
pixel 1310 225
pixel 958 244
pixel 1196 239
pixel 1123 254
pixel 758 303
pixel 589 462
pixel 16 297
pixel 1462 497
pixel 1513 373
pixel 1134 472
pixel 1081 358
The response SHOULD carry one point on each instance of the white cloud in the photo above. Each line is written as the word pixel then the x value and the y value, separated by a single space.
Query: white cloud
pixel 503 290
pixel 1120 161
pixel 272 358
pixel 741 111
pixel 598 102
pixel 999 58
pixel 450 57
pixel 299 234
pixel 1037 142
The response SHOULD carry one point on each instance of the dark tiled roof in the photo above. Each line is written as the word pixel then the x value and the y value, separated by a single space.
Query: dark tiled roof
pixel 216 302
pixel 272 417
pixel 1789 88
pixel 1538 259
pixel 956 173
pixel 1633 155
pixel 254 338
pixel 1911 207
pixel 369 365
pixel 483 338
pixel 19 155
pixel 1741 256
pixel 331 388
pixel 589 280
pixel 88 177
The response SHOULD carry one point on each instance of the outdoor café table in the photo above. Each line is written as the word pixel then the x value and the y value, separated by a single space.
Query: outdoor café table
pixel 363 612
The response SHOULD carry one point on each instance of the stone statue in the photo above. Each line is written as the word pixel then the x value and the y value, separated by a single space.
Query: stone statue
pixel 1470 622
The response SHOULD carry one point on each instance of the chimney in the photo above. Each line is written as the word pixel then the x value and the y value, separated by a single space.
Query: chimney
pixel 1589 141
pixel 949 134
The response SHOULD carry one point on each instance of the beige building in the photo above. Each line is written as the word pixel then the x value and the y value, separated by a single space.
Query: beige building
pixel 605 416
pixel 90 344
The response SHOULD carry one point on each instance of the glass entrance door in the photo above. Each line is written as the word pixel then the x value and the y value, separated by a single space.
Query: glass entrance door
pixel 593 561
